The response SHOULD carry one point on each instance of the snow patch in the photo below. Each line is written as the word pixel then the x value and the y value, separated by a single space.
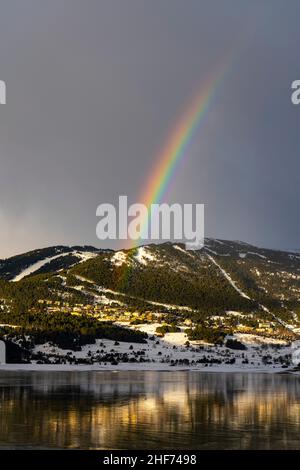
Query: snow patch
pixel 85 255
pixel 256 254
pixel 119 258
pixel 177 247
pixel 143 256
pixel 36 266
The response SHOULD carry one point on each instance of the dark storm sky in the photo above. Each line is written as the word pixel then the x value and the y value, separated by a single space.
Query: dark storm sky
pixel 93 88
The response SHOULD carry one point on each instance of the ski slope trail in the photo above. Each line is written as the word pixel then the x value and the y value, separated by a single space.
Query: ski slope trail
pixel 243 294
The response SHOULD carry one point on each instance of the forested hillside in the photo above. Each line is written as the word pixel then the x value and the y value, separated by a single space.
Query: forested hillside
pixel 80 293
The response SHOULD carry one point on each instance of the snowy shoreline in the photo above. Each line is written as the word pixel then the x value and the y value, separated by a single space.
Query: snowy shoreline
pixel 167 354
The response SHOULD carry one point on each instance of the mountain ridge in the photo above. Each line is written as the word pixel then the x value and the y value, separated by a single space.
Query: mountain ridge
pixel 70 297
pixel 22 260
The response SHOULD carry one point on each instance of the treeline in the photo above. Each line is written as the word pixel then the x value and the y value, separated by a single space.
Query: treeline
pixel 209 335
pixel 67 331
pixel 162 330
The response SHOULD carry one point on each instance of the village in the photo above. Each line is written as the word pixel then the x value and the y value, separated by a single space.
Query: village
pixel 231 322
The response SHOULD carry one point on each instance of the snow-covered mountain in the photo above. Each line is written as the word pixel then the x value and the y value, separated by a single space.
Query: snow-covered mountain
pixel 168 271
pixel 229 294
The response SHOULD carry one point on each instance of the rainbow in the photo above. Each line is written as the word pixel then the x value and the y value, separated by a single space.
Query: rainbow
pixel 175 148
pixel 171 155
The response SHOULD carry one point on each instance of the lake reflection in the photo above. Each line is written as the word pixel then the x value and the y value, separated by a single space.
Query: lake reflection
pixel 137 410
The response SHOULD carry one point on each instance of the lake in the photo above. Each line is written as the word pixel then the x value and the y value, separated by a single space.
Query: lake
pixel 148 410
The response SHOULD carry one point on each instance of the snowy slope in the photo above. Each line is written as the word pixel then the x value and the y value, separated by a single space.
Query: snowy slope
pixel 229 279
pixel 45 260
pixel 35 267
